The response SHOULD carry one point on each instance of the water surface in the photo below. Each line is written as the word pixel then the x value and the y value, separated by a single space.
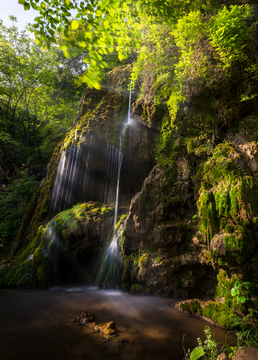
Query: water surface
pixel 36 325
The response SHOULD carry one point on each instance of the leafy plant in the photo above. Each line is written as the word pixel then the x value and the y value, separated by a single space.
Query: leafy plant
pixel 206 348
pixel 229 33
pixel 248 335
pixel 241 291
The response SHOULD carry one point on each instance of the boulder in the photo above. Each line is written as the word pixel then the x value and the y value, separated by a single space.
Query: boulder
pixel 249 353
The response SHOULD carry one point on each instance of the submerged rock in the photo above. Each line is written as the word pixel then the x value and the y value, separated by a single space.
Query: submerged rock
pixel 107 329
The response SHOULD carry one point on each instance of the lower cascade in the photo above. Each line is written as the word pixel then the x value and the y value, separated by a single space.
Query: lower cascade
pixel 109 272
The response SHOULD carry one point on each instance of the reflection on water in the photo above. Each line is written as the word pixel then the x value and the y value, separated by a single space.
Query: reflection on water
pixel 68 289
pixel 37 325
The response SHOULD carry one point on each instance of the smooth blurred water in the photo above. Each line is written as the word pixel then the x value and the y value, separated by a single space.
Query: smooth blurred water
pixel 37 325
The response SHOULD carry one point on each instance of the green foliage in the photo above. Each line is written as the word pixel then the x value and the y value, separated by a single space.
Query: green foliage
pixel 241 291
pixel 248 334
pixel 197 353
pixel 229 33
pixel 35 113
pixel 206 349
pixel 98 29
pixel 209 349
pixel 188 30
pixel 14 199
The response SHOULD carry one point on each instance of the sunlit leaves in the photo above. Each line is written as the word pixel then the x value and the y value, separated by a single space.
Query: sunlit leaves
pixel 74 24
pixel 229 33
pixel 97 26
pixel 187 29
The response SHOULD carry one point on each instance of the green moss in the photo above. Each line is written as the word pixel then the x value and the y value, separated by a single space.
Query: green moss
pixel 192 306
pixel 229 228
pixel 209 222
pixel 221 314
pixel 68 143
pixel 185 307
pixel 227 197
pixel 121 220
pixel 141 289
pixel 218 312
pixel 144 260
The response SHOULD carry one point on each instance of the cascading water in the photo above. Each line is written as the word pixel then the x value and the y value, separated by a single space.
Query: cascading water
pixel 109 272
pixel 81 177
pixel 74 182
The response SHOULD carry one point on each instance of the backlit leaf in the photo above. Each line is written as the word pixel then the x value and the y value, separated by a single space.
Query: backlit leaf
pixel 74 24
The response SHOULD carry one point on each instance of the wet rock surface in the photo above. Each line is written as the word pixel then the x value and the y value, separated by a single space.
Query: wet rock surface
pixel 159 225
pixel 107 329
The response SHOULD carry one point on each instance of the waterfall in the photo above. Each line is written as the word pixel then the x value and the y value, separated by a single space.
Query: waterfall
pixel 120 159
pixel 129 105
pixel 75 182
pixel 80 178
pixel 109 272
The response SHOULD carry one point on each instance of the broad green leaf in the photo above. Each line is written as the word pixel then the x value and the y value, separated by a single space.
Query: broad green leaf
pixel 26 6
pixel 197 353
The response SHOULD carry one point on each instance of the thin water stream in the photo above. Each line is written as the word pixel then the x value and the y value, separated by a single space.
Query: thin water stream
pixel 109 272
pixel 36 325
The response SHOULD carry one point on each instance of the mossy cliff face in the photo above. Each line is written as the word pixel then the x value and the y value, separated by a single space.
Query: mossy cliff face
pixel 157 238
pixel 192 230
pixel 228 210
pixel 67 248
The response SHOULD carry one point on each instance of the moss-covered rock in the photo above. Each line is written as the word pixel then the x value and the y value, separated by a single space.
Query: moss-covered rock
pixel 158 249
pixel 228 211
pixel 217 312
pixel 67 248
